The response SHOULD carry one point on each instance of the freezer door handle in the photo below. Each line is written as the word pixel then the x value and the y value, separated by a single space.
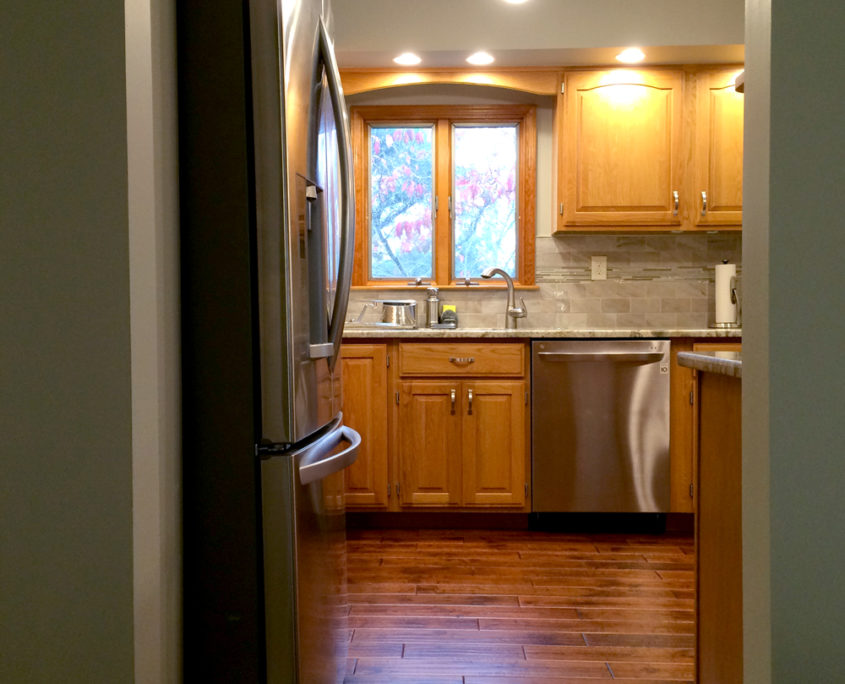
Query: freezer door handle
pixel 615 357
pixel 316 461
pixel 347 195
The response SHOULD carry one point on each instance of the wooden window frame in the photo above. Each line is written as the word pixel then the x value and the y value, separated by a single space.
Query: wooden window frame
pixel 442 117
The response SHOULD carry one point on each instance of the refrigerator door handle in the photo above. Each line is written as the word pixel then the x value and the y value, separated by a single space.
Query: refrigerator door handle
pixel 321 351
pixel 347 195
pixel 316 461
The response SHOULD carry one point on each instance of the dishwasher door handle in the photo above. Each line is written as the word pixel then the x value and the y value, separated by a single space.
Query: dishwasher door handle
pixel 615 357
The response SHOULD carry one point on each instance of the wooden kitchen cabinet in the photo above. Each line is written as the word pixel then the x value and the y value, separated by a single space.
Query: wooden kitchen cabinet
pixel 681 432
pixel 717 190
pixel 462 427
pixel 620 155
pixel 718 530
pixel 649 149
pixel 425 443
pixel 364 373
pixel 493 438
pixel 683 422
pixel 462 443
pixel 429 443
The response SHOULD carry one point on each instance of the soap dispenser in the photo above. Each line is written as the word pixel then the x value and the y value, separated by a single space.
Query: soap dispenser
pixel 432 306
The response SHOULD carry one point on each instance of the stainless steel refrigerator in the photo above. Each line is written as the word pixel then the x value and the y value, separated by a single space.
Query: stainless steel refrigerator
pixel 267 213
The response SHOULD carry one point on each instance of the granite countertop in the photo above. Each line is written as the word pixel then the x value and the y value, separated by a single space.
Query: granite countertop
pixel 382 332
pixel 721 362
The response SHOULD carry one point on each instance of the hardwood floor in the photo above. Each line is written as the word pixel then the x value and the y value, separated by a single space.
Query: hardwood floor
pixel 519 607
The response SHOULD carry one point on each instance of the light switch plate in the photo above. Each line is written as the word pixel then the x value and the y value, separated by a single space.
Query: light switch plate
pixel 599 267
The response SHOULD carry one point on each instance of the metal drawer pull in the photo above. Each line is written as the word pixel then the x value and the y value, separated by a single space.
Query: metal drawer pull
pixel 454 394
pixel 704 203
pixel 676 200
pixel 469 400
pixel 462 359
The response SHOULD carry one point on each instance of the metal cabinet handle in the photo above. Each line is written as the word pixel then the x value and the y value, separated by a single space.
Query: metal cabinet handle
pixel 676 198
pixel 462 359
pixel 704 203
pixel 469 402
pixel 454 395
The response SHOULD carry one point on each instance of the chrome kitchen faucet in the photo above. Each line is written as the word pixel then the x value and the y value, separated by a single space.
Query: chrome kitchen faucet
pixel 512 312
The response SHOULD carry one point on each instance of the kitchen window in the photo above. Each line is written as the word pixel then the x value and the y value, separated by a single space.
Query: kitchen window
pixel 442 193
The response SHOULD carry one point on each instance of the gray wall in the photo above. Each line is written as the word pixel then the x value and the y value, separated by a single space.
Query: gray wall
pixel 755 371
pixel 806 308
pixel 66 502
pixel 154 337
pixel 794 331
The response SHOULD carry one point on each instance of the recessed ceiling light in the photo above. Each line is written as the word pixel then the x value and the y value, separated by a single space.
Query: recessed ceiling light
pixel 631 55
pixel 407 59
pixel 515 2
pixel 481 58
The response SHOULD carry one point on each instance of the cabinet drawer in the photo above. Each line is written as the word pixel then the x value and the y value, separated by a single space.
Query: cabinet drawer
pixel 465 359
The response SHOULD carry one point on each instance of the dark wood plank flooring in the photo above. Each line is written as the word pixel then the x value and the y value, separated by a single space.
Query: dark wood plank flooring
pixel 519 607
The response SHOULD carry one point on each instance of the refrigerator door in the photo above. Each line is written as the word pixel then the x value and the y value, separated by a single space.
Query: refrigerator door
pixel 304 216
pixel 305 559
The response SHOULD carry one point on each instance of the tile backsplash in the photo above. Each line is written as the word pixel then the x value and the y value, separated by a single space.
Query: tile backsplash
pixel 653 281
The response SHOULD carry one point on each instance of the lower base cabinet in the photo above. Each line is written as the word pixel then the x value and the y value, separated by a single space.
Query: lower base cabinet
pixel 364 373
pixel 493 437
pixel 719 531
pixel 444 425
pixel 429 444
pixel 684 399
pixel 462 443
pixel 445 430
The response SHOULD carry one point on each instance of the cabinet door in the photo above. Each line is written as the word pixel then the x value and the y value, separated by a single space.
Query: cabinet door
pixel 681 432
pixel 365 410
pixel 621 162
pixel 718 150
pixel 493 429
pixel 429 443
pixel 684 424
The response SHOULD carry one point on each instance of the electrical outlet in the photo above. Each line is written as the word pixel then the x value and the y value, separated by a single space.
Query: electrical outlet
pixel 599 267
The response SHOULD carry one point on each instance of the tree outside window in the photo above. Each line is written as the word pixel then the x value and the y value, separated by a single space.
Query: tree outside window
pixel 443 193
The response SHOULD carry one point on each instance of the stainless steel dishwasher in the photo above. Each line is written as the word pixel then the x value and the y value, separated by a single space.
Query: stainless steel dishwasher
pixel 600 426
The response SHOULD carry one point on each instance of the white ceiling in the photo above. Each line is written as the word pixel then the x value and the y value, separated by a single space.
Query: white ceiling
pixel 370 33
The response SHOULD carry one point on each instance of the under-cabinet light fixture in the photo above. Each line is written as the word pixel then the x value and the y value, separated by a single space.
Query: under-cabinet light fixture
pixel 631 55
pixel 407 59
pixel 516 2
pixel 481 58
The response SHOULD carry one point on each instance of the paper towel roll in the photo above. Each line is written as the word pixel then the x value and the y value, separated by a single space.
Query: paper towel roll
pixel 725 281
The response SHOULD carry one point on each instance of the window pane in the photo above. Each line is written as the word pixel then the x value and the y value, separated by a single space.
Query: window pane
pixel 485 172
pixel 401 201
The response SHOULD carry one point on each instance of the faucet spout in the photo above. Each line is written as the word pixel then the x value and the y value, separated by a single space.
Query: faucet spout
pixel 512 312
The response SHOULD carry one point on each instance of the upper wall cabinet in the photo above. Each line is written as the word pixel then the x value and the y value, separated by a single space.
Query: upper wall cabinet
pixel 620 161
pixel 717 199
pixel 649 150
